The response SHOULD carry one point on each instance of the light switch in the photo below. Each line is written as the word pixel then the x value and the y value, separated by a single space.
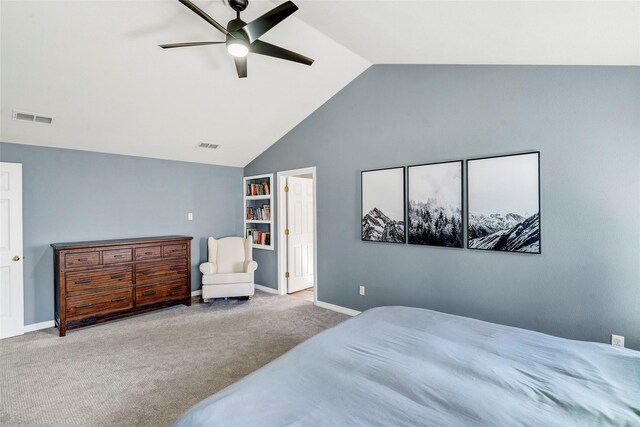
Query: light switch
pixel 190 216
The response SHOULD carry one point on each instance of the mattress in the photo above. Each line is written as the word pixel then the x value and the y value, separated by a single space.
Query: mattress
pixel 401 366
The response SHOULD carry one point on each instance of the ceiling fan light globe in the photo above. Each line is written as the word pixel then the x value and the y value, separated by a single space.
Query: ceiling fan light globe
pixel 238 48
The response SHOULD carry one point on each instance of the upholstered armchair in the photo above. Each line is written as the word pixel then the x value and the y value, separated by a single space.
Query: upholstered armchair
pixel 229 272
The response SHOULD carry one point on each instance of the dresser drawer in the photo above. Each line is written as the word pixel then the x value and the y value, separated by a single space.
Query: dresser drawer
pixel 152 294
pixel 148 253
pixel 98 303
pixel 161 272
pixel 81 259
pixel 108 277
pixel 170 251
pixel 117 255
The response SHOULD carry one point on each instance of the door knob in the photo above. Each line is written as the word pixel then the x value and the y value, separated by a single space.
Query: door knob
pixel 16 258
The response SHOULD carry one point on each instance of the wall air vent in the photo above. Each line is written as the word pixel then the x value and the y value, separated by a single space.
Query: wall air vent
pixel 205 145
pixel 32 117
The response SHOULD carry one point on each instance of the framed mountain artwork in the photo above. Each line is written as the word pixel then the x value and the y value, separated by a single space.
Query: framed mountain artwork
pixel 383 205
pixel 435 204
pixel 504 203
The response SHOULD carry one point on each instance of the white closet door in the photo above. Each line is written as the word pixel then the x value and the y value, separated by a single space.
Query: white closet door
pixel 11 294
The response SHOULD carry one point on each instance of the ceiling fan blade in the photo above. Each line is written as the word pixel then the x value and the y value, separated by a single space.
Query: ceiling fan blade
pixel 204 16
pixel 187 44
pixel 261 25
pixel 264 48
pixel 241 66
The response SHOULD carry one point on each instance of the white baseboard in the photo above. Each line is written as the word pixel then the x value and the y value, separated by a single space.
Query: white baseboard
pixel 196 293
pixel 37 326
pixel 266 289
pixel 337 308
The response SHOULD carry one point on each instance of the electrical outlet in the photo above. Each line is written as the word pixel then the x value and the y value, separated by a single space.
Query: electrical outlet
pixel 361 290
pixel 617 340
pixel 189 216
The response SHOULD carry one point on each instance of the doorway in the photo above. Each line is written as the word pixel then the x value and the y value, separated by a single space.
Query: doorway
pixel 297 254
pixel 11 269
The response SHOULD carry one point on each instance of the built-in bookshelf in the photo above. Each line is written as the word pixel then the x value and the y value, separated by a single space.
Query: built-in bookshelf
pixel 258 212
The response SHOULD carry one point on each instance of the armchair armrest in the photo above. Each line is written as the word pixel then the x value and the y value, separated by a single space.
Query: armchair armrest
pixel 250 266
pixel 208 268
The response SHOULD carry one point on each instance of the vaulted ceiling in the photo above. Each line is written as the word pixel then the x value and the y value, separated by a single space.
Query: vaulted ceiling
pixel 95 65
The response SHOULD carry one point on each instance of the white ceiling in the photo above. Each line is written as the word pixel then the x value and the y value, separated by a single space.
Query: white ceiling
pixel 96 67
pixel 483 32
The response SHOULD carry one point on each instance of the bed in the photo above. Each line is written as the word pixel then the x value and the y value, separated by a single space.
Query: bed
pixel 401 366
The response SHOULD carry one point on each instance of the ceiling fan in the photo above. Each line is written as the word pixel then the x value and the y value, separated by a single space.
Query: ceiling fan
pixel 242 38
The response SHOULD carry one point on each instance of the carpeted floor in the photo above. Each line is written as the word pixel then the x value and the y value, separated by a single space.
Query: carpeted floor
pixel 147 370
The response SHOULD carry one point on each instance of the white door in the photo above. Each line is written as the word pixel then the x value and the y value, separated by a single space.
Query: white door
pixel 11 297
pixel 300 238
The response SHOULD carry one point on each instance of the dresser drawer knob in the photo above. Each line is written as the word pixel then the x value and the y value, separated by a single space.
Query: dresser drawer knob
pixel 146 294
pixel 176 288
pixel 175 267
pixel 117 299
pixel 148 253
pixel 78 307
pixel 148 272
pixel 118 256
pixel 119 276
pixel 176 250
pixel 82 281
pixel 83 259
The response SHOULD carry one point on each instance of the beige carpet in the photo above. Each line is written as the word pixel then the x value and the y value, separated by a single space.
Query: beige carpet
pixel 147 370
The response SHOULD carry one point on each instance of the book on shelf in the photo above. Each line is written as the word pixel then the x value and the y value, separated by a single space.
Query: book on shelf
pixel 259 214
pixel 259 189
pixel 259 237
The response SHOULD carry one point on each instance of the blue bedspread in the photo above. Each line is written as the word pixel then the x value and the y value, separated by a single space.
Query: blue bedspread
pixel 400 366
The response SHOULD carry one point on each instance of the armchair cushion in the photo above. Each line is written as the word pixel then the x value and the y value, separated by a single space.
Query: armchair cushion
pixel 226 278
pixel 208 268
pixel 230 255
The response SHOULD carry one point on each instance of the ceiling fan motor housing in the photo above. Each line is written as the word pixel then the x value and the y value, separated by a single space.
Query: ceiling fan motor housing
pixel 235 25
pixel 237 40
pixel 236 34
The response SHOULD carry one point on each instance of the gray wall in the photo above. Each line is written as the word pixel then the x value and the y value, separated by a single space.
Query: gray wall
pixel 586 123
pixel 78 195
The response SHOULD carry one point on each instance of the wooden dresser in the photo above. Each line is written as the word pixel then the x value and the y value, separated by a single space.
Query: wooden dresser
pixel 103 280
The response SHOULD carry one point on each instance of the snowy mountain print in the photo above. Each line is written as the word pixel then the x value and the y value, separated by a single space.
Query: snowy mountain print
pixel 504 203
pixel 383 206
pixel 505 233
pixel 435 204
pixel 378 227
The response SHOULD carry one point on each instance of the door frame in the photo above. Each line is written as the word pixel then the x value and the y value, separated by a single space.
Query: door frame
pixel 282 212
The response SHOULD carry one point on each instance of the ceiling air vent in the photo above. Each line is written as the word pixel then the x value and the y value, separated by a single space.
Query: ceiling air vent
pixel 205 145
pixel 32 117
